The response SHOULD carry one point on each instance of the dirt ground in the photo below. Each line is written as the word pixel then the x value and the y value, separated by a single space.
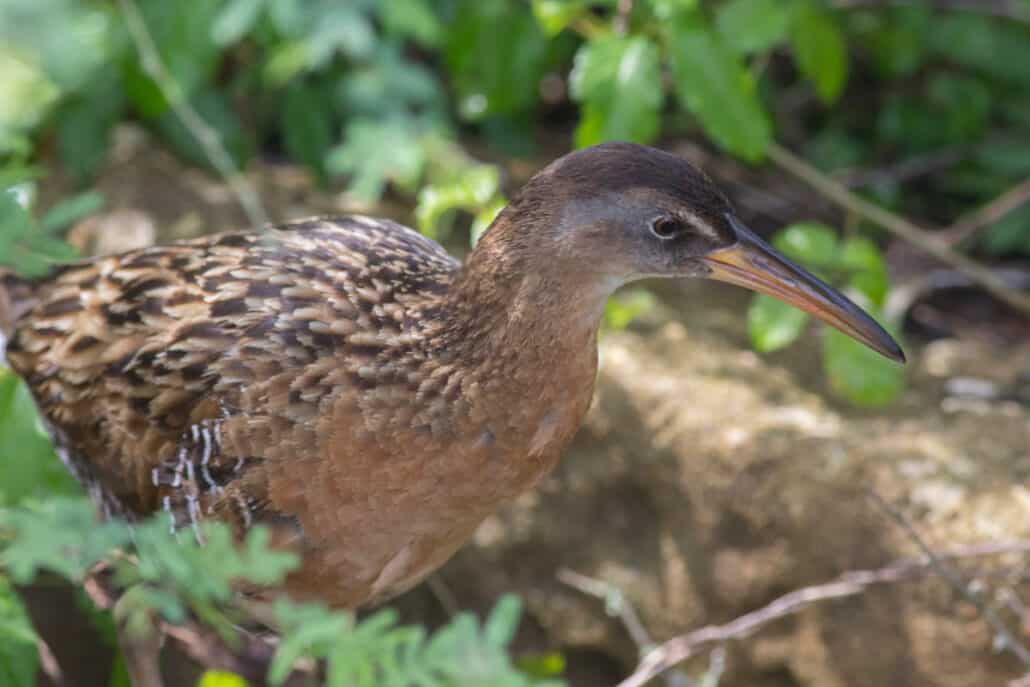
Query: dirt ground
pixel 709 480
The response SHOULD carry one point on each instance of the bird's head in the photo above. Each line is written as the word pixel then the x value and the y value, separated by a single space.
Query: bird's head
pixel 620 212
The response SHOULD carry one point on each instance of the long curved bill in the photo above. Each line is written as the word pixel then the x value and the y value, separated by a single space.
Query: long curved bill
pixel 754 264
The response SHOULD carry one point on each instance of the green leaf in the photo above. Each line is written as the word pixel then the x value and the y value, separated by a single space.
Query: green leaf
pixel 1009 156
pixel 183 40
pixel 305 627
pixel 306 123
pixel 28 97
pixel 555 15
pixel 286 60
pixel 503 622
pixel 961 106
pixel 859 374
pixel 820 50
pixel 496 54
pixel 619 81
pixel 60 535
pixel 339 27
pixel 19 660
pixel 1011 234
pixel 29 467
pixel 674 10
pixel 414 18
pixel 71 210
pixel 993 47
pixel 389 86
pixel 235 19
pixel 69 40
pixel 474 189
pixel 205 573
pixel 753 25
pixel 711 82
pixel 810 243
pixel 485 217
pixel 216 112
pixel 119 671
pixel 626 306
pixel 897 36
pixel 864 260
pixel 23 244
pixel 288 16
pixel 84 125
pixel 370 164
pixel 773 324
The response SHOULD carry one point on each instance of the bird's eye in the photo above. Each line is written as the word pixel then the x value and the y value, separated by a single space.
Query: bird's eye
pixel 667 228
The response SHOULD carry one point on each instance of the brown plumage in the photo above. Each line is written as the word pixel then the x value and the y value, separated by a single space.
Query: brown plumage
pixel 348 383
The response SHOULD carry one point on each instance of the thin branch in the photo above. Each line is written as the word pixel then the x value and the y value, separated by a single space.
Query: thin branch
pixel 623 10
pixel 967 225
pixel 48 663
pixel 142 656
pixel 617 604
pixel 898 226
pixel 249 656
pixel 443 593
pixel 903 170
pixel 853 583
pixel 207 137
pixel 1004 638
pixel 1003 9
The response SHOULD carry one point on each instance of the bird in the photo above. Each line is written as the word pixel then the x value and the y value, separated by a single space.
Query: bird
pixel 348 384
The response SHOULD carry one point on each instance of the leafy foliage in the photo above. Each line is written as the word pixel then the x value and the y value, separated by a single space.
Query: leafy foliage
pixel 377 652
pixel 30 245
pixel 172 575
pixel 19 660
pixel 855 372
pixel 614 78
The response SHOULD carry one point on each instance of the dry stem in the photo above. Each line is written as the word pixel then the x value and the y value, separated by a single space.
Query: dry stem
pixel 853 583
pixel 898 226
pixel 207 137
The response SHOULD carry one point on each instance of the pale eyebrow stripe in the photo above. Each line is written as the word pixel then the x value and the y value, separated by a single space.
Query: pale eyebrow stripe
pixel 700 224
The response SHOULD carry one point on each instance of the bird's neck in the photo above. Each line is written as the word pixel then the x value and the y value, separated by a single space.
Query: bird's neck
pixel 508 306
pixel 522 338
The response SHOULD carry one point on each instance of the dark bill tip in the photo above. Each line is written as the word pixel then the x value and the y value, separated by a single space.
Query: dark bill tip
pixel 754 264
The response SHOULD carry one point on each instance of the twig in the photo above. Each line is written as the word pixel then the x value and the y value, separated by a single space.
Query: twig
pixel 1004 638
pixel 48 662
pixel 442 591
pixel 617 604
pixel 1003 9
pixel 206 136
pixel 623 10
pixel 716 667
pixel 967 225
pixel 142 655
pixel 679 649
pixel 898 226
pixel 249 657
pixel 903 170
